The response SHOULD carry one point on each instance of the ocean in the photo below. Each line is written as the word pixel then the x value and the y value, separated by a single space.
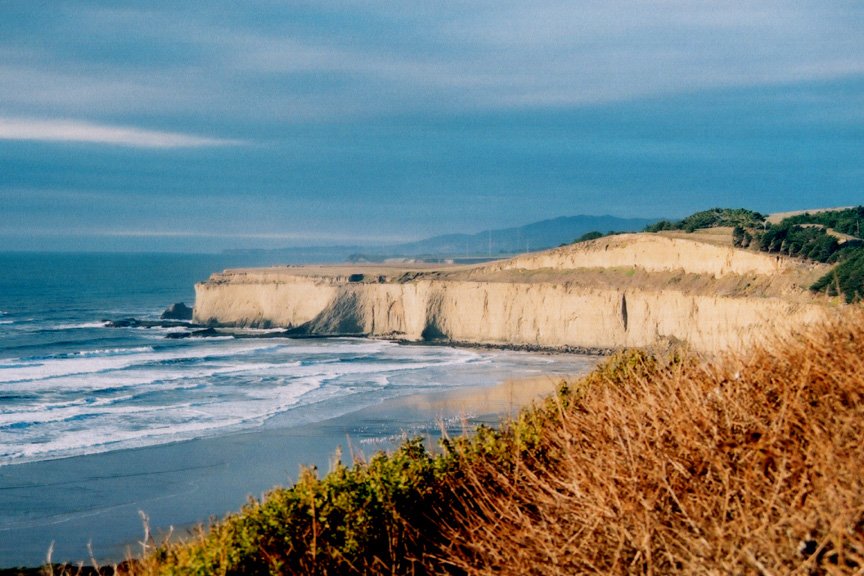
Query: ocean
pixel 94 408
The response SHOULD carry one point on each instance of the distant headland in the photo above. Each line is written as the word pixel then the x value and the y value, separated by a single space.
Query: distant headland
pixel 718 279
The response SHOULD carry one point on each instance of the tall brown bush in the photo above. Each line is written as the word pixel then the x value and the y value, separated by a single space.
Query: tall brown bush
pixel 752 465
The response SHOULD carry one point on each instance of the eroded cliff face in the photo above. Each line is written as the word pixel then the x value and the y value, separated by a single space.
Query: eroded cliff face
pixel 451 306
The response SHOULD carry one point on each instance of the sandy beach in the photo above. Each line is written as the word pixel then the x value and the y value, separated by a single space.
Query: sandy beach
pixel 96 499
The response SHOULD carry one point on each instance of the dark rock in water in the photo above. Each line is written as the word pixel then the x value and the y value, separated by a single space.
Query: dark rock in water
pixel 207 333
pixel 122 323
pixel 203 333
pixel 177 311
pixel 178 335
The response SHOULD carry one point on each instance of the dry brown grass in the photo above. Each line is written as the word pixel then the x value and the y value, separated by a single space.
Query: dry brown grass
pixel 747 466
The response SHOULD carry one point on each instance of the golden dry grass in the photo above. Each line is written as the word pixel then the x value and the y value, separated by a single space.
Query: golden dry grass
pixel 748 466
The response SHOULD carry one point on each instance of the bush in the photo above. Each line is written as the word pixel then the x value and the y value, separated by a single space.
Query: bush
pixel 847 221
pixel 366 519
pixel 710 219
pixel 593 235
pixel 846 279
pixel 796 240
pixel 752 466
pixel 741 238
pixel 663 225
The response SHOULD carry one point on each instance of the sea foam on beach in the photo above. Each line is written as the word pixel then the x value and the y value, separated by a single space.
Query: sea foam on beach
pixel 76 403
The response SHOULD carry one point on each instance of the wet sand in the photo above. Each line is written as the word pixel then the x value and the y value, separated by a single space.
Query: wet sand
pixel 97 498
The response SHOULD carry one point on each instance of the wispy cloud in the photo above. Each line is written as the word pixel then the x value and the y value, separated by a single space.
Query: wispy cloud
pixel 342 59
pixel 87 132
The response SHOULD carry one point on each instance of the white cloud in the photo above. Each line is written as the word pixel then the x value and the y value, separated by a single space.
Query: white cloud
pixel 78 131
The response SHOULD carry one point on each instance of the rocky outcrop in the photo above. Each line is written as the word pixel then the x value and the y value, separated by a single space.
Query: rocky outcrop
pixel 177 311
pixel 518 309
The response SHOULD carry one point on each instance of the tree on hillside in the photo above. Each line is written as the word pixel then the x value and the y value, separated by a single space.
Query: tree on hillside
pixel 711 219
pixel 593 235
pixel 847 221
pixel 740 237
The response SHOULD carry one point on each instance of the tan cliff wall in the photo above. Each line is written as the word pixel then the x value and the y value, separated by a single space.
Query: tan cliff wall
pixel 245 299
pixel 543 313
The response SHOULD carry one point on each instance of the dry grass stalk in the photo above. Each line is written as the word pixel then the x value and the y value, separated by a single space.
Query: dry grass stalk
pixel 749 466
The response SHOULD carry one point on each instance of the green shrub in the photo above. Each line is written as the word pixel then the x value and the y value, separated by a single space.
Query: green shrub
pixel 810 242
pixel 711 219
pixel 367 518
pixel 593 235
pixel 847 221
pixel 846 279
pixel 741 238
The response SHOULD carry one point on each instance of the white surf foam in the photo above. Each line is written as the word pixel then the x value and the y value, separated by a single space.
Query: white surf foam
pixel 92 427
pixel 97 361
pixel 109 398
pixel 79 326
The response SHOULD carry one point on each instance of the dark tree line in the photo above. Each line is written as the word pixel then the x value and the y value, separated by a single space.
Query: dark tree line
pixel 711 219
pixel 847 221
pixel 810 242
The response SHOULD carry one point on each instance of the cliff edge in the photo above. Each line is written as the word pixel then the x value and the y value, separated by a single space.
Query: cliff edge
pixel 613 292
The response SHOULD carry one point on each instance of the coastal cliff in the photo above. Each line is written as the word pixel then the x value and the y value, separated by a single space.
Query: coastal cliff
pixel 614 292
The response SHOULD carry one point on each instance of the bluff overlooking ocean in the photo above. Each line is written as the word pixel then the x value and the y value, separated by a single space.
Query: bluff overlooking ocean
pixel 613 292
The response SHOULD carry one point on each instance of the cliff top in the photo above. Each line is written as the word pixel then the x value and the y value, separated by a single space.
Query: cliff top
pixel 701 262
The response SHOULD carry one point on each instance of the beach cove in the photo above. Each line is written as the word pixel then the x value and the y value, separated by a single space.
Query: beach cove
pixel 98 499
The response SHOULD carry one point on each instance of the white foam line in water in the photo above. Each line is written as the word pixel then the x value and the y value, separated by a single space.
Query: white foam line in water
pixel 108 352
pixel 161 377
pixel 27 370
pixel 135 426
pixel 80 326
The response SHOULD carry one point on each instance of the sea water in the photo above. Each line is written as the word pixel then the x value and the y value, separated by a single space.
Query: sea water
pixel 77 394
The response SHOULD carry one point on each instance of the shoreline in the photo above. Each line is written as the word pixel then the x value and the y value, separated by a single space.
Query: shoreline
pixel 98 497
pixel 203 331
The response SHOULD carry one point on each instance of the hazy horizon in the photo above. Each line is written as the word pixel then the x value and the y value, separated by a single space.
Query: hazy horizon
pixel 209 126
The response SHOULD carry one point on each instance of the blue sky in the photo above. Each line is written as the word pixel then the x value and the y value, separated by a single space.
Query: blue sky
pixel 209 125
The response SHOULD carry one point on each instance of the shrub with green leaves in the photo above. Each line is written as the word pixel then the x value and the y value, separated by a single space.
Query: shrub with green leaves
pixel 847 221
pixel 846 279
pixel 809 242
pixel 711 219
pixel 593 235
pixel 369 518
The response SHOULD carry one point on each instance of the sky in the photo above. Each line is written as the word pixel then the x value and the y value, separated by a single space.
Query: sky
pixel 204 126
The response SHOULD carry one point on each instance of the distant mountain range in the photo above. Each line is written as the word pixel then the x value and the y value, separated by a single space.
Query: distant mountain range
pixel 536 236
pixel 486 244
